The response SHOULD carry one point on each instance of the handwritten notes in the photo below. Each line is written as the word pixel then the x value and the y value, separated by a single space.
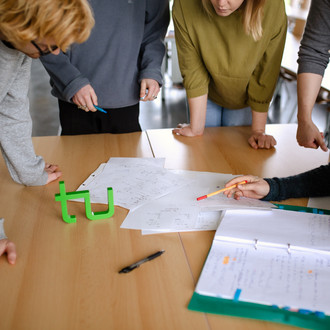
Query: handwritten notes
pixel 134 181
pixel 272 272
pixel 180 210
pixel 272 277
pixel 162 200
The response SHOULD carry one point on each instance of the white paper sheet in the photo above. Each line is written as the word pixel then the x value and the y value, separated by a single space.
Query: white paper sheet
pixel 179 211
pixel 134 181
pixel 205 221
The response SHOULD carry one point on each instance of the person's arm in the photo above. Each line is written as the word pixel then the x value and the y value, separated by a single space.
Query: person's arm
pixel 197 108
pixel 263 82
pixel 313 183
pixel 153 48
pixel 24 166
pixel 308 135
pixel 313 58
pixel 66 79
pixel 195 76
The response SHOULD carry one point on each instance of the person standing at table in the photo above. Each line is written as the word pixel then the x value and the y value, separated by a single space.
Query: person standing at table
pixel 30 29
pixel 313 183
pixel 116 67
pixel 313 58
pixel 230 54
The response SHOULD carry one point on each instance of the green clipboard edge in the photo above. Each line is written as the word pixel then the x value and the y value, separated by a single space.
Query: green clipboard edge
pixel 244 309
pixel 301 209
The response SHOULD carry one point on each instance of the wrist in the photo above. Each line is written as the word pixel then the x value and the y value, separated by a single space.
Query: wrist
pixel 258 130
pixel 304 120
pixel 197 130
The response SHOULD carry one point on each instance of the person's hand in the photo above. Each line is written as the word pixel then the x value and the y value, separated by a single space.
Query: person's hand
pixel 309 136
pixel 254 188
pixel 53 172
pixel 85 98
pixel 260 140
pixel 6 246
pixel 185 130
pixel 153 89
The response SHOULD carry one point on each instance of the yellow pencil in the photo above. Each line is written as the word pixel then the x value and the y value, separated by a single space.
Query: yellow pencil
pixel 221 190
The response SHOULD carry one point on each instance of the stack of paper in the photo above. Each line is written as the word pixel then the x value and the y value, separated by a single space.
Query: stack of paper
pixel 162 200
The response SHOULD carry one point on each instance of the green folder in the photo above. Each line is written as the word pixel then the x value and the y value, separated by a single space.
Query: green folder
pixel 221 306
pixel 214 305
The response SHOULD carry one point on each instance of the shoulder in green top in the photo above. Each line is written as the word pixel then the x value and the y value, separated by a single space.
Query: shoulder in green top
pixel 218 58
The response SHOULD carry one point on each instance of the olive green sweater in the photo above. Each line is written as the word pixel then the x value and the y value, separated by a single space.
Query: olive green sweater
pixel 218 58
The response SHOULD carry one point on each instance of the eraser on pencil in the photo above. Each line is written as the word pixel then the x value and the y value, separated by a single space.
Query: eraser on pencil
pixel 202 197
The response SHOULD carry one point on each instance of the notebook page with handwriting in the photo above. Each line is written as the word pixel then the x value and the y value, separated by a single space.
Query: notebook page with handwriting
pixel 287 229
pixel 239 269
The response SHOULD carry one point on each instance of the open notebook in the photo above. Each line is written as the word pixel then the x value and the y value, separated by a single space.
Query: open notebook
pixel 276 258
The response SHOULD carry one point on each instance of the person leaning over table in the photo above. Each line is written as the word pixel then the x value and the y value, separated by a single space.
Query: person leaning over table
pixel 30 29
pixel 313 58
pixel 112 69
pixel 229 55
pixel 313 183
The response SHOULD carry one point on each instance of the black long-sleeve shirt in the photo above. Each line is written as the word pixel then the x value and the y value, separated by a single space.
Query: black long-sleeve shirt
pixel 313 183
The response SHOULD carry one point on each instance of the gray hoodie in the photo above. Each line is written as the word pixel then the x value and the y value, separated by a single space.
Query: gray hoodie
pixel 125 46
pixel 15 121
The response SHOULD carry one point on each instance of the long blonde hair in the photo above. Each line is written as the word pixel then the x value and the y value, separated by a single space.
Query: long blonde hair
pixel 252 14
pixel 64 21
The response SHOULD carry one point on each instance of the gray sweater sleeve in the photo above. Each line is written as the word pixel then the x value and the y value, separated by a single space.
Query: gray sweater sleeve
pixel 2 231
pixel 66 80
pixel 152 48
pixel 315 45
pixel 15 121
pixel 313 183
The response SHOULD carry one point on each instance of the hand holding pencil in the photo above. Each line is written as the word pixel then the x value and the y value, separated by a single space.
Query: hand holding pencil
pixel 255 187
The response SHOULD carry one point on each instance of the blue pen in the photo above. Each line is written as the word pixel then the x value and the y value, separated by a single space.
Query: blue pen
pixel 100 109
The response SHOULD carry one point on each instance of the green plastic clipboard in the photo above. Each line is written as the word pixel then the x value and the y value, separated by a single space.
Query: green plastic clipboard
pixel 243 309
pixel 302 209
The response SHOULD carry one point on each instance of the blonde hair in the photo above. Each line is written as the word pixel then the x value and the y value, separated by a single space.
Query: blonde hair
pixel 252 14
pixel 63 21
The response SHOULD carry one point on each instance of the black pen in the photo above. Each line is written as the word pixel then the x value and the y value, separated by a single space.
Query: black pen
pixel 138 263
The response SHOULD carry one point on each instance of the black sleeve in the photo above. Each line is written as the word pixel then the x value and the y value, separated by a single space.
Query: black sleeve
pixel 313 183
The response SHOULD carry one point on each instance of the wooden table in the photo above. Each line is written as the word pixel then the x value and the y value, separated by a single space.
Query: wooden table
pixel 66 275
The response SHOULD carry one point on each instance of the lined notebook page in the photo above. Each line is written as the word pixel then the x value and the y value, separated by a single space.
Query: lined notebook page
pixel 276 227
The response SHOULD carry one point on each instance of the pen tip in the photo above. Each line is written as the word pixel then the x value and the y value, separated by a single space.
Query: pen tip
pixel 202 197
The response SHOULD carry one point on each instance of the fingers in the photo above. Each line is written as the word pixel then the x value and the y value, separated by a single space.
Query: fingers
pixel 85 98
pixel 184 131
pixel 8 247
pixel 149 90
pixel 53 176
pixel 143 90
pixel 248 178
pixel 320 142
pixel 11 253
pixel 262 141
pixel 53 172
